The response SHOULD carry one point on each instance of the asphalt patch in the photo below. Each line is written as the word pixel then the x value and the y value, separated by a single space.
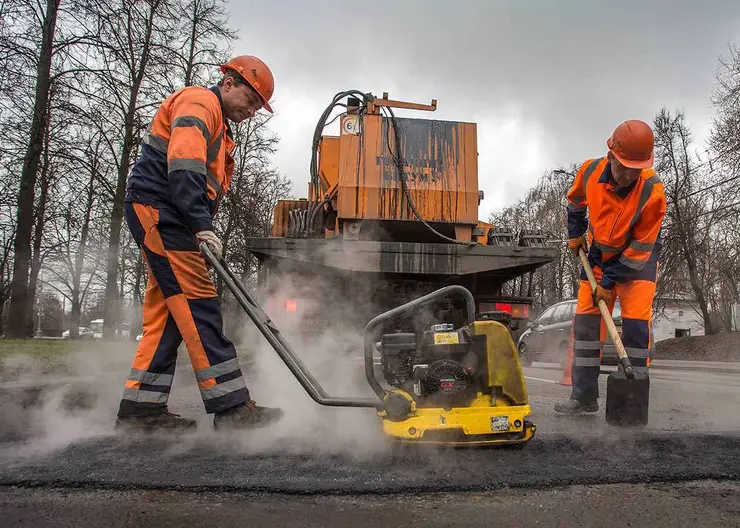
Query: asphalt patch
pixel 546 462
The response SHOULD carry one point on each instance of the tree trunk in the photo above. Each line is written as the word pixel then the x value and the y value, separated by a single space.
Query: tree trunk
pixel 37 239
pixel 191 51
pixel 77 294
pixel 40 216
pixel 19 303
pixel 74 318
pixel 111 307
pixel 136 324
pixel 700 298
pixel 111 286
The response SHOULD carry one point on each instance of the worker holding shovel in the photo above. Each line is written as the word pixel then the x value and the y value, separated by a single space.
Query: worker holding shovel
pixel 626 205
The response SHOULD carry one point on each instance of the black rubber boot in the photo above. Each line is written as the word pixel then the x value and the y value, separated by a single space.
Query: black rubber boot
pixel 577 407
pixel 165 422
pixel 246 416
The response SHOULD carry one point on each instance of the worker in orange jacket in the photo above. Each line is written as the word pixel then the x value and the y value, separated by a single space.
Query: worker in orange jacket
pixel 626 205
pixel 174 189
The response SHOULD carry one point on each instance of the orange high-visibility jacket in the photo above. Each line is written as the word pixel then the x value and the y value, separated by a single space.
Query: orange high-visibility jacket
pixel 185 160
pixel 624 224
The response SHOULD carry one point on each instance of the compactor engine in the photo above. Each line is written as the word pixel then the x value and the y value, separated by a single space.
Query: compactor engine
pixel 445 368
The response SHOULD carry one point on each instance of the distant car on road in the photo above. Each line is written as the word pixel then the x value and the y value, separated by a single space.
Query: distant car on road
pixel 97 328
pixel 85 333
pixel 547 338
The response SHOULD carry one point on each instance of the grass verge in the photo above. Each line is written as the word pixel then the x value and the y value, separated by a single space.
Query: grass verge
pixel 53 347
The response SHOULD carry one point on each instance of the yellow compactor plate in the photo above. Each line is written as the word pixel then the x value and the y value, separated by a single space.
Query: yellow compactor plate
pixel 464 426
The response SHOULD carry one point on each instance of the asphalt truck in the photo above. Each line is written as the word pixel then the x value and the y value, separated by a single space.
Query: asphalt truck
pixel 391 214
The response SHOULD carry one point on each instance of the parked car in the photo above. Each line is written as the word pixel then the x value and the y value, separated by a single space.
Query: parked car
pixel 85 333
pixel 547 338
pixel 97 328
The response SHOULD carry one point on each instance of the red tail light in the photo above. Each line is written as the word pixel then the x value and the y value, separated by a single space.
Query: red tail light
pixel 291 305
pixel 517 311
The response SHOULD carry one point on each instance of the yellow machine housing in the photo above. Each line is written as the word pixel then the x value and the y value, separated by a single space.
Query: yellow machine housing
pixel 496 415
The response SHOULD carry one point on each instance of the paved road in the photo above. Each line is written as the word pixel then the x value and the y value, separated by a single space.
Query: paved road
pixel 57 436
pixel 705 503
pixel 681 400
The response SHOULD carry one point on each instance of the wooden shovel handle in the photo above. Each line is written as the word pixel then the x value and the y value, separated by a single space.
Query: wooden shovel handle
pixel 611 328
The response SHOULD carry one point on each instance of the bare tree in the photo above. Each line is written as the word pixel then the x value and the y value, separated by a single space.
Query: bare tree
pixel 690 229
pixel 79 82
pixel 19 308
pixel 205 43
pixel 133 38
pixel 725 137
pixel 255 190
pixel 75 257
pixel 7 235
pixel 43 35
pixel 544 208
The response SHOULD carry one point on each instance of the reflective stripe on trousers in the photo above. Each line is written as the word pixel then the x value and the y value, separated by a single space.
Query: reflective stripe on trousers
pixel 589 333
pixel 180 305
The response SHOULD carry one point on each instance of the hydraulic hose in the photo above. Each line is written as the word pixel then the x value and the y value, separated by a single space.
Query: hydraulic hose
pixel 314 170
pixel 404 187
pixel 315 204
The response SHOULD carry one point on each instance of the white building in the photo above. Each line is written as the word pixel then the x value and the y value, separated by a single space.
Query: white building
pixel 681 317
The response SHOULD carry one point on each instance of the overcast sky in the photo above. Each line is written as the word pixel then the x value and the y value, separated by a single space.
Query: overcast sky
pixel 546 81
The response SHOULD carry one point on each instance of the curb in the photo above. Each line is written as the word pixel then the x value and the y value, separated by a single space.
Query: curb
pixel 721 369
pixel 699 368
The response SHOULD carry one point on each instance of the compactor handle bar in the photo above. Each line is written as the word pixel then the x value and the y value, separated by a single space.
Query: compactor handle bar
pixel 276 339
pixel 265 325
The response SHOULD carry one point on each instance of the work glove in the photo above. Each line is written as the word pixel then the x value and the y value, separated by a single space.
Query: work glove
pixel 601 293
pixel 214 244
pixel 576 243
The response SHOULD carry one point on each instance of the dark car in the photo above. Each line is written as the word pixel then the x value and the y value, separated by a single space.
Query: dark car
pixel 547 338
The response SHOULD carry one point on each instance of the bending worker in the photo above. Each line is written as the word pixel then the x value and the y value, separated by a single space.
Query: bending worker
pixel 172 193
pixel 626 205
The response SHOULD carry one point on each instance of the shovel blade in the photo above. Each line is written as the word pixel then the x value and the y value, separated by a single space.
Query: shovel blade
pixel 627 399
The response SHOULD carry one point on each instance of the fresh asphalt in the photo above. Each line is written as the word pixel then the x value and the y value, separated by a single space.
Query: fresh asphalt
pixel 61 461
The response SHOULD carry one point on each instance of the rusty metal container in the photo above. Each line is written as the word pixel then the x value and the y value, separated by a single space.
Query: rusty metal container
pixel 439 162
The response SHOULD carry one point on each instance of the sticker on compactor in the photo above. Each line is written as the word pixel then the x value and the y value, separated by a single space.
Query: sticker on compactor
pixel 446 338
pixel 499 423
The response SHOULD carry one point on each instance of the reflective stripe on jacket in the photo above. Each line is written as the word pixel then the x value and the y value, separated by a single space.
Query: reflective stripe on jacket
pixel 185 160
pixel 623 224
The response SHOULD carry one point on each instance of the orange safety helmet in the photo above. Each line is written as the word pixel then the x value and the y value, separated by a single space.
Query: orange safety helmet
pixel 632 144
pixel 256 74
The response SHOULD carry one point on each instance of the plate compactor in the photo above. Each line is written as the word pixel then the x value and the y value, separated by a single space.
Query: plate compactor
pixel 448 386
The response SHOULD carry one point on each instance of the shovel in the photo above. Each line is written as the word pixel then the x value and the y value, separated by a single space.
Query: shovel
pixel 627 391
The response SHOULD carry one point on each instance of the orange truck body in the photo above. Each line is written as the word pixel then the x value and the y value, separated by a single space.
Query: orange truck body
pixel 358 168
pixel 358 227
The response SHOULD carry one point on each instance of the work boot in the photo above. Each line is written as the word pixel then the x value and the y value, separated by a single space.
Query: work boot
pixel 246 416
pixel 166 421
pixel 573 406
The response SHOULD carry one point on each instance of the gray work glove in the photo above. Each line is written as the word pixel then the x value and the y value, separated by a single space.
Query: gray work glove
pixel 214 244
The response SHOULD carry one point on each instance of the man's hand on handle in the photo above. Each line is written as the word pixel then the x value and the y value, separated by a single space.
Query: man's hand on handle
pixel 601 294
pixel 214 244
pixel 577 243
